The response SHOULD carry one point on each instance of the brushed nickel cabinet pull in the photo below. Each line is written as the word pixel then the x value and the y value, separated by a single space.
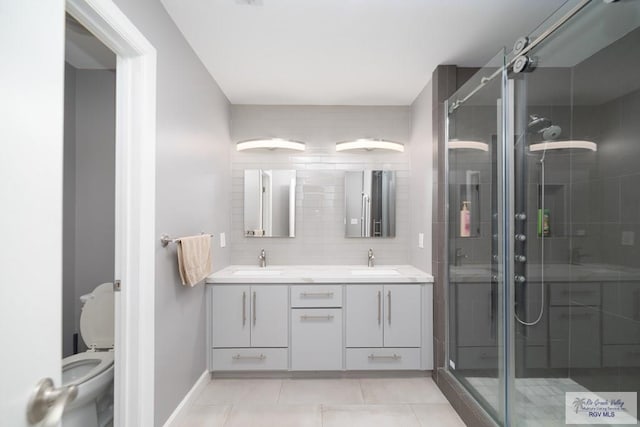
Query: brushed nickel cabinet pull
pixel 316 294
pixel 240 357
pixel 244 309
pixel 389 295
pixel 307 317
pixel 254 308
pixel 379 307
pixel 393 357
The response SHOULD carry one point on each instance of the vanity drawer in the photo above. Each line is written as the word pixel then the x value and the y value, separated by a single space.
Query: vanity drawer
pixel 249 359
pixel 574 293
pixel 477 358
pixel 621 356
pixel 316 296
pixel 363 359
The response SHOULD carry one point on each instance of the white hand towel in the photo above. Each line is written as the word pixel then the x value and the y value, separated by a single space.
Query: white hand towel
pixel 194 259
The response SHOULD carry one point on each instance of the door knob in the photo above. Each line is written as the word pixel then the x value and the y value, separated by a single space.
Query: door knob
pixel 47 403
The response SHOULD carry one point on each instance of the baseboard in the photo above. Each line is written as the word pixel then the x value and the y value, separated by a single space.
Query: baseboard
pixel 178 414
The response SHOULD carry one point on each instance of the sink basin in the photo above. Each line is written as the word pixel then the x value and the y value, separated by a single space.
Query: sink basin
pixel 375 272
pixel 257 273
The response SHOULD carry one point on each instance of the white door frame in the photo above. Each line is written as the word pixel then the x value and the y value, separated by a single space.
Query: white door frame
pixel 134 207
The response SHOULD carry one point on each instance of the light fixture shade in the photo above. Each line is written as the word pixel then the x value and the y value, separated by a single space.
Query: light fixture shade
pixel 270 144
pixel 369 144
pixel 455 144
pixel 560 145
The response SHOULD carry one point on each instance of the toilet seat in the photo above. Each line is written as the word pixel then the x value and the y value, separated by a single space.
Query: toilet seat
pixel 93 363
pixel 97 318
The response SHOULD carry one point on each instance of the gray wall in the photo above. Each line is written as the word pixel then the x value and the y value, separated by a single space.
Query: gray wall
pixel 95 181
pixel 421 177
pixel 69 212
pixel 320 184
pixel 192 195
pixel 89 190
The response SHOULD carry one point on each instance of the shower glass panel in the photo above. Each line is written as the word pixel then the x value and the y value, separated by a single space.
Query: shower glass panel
pixel 577 173
pixel 544 208
pixel 475 352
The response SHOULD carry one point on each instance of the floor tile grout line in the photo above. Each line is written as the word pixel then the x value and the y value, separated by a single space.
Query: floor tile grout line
pixel 361 391
pixel 413 411
pixel 280 392
pixel 227 414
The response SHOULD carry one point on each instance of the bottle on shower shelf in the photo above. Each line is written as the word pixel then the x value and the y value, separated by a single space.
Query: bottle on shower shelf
pixel 544 229
pixel 465 220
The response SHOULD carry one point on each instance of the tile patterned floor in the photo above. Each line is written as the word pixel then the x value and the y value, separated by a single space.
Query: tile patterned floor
pixel 384 402
pixel 538 402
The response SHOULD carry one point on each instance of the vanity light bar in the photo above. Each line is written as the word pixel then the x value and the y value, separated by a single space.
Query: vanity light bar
pixel 472 145
pixel 270 144
pixel 369 144
pixel 559 145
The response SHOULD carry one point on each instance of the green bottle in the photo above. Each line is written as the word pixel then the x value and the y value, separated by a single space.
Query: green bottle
pixel 543 223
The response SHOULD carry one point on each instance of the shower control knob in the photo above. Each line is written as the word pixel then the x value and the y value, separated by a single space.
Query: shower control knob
pixel 521 237
pixel 521 216
pixel 520 279
pixel 521 258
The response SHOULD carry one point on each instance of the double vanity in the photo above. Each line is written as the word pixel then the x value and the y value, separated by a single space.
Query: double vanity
pixel 319 318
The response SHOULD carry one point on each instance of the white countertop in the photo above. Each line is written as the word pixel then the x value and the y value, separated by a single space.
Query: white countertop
pixel 320 274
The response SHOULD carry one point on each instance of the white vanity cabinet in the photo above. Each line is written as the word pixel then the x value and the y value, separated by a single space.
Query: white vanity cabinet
pixel 250 327
pixel 319 318
pixel 383 326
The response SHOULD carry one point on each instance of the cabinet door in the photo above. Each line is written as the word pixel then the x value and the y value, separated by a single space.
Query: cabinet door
pixel 575 337
pixel 402 316
pixel 364 315
pixel 269 316
pixel 316 339
pixel 477 316
pixel 231 327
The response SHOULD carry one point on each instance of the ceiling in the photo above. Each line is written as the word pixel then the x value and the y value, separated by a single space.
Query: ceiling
pixel 346 52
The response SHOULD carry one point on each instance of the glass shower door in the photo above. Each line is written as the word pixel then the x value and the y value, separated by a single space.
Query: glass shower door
pixel 576 324
pixel 476 349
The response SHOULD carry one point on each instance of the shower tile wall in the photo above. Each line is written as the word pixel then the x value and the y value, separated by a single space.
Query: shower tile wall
pixel 320 181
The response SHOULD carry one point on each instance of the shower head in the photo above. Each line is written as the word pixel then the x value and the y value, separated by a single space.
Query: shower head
pixel 544 127
pixel 551 133
pixel 537 123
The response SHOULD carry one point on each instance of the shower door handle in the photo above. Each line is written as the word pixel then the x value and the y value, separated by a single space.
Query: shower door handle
pixel 492 308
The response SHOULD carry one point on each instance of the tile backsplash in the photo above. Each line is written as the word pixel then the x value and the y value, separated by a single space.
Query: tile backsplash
pixel 320 181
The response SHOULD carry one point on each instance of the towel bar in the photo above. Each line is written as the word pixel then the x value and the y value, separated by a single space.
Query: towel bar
pixel 165 239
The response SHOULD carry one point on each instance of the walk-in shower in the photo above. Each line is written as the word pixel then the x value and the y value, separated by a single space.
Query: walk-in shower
pixel 543 293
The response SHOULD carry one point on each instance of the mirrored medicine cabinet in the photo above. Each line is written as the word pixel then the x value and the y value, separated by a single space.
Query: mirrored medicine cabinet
pixel 370 203
pixel 269 203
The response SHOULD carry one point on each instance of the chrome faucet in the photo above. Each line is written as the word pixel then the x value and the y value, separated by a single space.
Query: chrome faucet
pixel 262 259
pixel 372 258
pixel 458 257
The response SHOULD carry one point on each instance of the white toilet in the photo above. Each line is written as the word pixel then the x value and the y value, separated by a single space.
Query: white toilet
pixel 92 371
